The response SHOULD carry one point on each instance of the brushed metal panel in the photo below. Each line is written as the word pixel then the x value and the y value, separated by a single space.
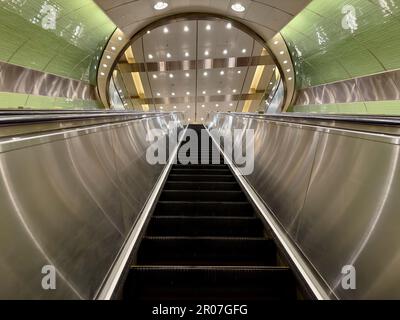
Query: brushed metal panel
pixel 335 192
pixel 69 199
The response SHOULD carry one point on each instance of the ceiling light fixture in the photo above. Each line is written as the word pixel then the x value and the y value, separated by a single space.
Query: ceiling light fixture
pixel 229 25
pixel 158 94
pixel 206 53
pixel 187 75
pixel 120 38
pixel 174 107
pixel 219 91
pixel 225 52
pixel 102 73
pixel 231 104
pixel 239 71
pixel 276 42
pixel 105 66
pixel 285 62
pixel 188 93
pixel 288 70
pixel 108 57
pixel 186 54
pixel 238 7
pixel 204 92
pixel 171 75
pixel 208 27
pixel 113 48
pixel 173 94
pixel 244 50
pixel 222 73
pixel 282 52
pixel 169 55
pixel 205 73
pixel 165 30
pixel 217 105
pixel 290 78
pixel 150 56
pixel 203 106
pixel 234 90
pixel 188 107
pixel 155 76
pixel 161 5
pixel 186 29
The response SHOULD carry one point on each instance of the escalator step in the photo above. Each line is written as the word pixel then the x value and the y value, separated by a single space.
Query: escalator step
pixel 201 177
pixel 185 226
pixel 201 171
pixel 209 284
pixel 201 185
pixel 203 195
pixel 206 251
pixel 179 208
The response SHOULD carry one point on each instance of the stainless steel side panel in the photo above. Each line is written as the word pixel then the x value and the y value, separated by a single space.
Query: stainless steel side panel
pixel 336 193
pixel 69 200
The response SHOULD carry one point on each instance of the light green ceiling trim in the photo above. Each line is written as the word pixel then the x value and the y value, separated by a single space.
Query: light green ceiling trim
pixel 62 37
pixel 340 39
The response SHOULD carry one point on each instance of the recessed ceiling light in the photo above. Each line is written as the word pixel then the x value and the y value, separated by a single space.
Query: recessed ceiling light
pixel 203 106
pixel 113 48
pixel 231 104
pixel 161 108
pixel 161 5
pixel 174 107
pixel 276 42
pixel 148 31
pixel 120 91
pixel 187 74
pixel 219 91
pixel 204 92
pixel 244 50
pixel 205 73
pixel 290 78
pixel 285 62
pixel 225 52
pixel 208 27
pixel 173 94
pixel 288 70
pixel 229 25
pixel 238 7
pixel 282 52
pixel 188 119
pixel 202 119
pixel 222 73
pixel 188 107
pixel 120 38
pixel 105 66
pixel 165 30
pixel 169 55
pixel 102 73
pixel 206 53
pixel 217 105
pixel 108 57
pixel 239 71
pixel 155 76
pixel 171 75
pixel 234 90
pixel 186 54
pixel 150 56
pixel 271 83
pixel 186 29
pixel 188 93
pixel 158 94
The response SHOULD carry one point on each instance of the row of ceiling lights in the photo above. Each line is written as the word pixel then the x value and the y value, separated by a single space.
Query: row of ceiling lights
pixel 237 7
pixel 158 94
pixel 187 75
pixel 187 54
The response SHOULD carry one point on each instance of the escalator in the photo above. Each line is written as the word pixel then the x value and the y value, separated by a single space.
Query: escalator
pixel 205 242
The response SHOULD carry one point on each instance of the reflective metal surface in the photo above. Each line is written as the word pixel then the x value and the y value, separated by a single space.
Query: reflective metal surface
pixel 335 192
pixel 69 199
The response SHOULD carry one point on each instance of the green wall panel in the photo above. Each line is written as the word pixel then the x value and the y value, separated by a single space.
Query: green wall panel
pixel 326 50
pixel 68 46
pixel 378 108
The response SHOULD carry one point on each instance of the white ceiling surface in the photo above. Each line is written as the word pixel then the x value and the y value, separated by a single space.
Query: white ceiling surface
pixel 266 17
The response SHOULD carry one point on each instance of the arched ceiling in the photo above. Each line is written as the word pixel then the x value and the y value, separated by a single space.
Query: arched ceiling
pixel 266 17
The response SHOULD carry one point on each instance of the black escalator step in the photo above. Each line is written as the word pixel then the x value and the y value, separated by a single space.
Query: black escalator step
pixel 185 226
pixel 184 208
pixel 201 185
pixel 203 195
pixel 206 251
pixel 201 171
pixel 201 166
pixel 175 283
pixel 201 177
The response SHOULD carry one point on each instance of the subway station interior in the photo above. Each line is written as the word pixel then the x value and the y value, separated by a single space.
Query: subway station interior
pixel 187 151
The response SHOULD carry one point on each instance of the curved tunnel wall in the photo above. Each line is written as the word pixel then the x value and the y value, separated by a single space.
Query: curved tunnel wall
pixel 49 53
pixel 346 56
